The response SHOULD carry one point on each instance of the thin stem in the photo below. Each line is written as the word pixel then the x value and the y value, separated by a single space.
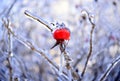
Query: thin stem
pixel 78 60
pixel 22 66
pixel 90 48
pixel 10 52
pixel 29 14
pixel 10 68
pixel 73 75
pixel 10 8
pixel 6 24
pixel 115 62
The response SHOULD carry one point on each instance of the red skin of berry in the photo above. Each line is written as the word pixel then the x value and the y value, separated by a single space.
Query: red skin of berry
pixel 61 34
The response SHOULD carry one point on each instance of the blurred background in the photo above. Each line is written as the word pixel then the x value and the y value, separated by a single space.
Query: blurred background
pixel 28 65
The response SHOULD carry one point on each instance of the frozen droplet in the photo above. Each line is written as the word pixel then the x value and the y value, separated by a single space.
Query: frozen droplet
pixel 11 55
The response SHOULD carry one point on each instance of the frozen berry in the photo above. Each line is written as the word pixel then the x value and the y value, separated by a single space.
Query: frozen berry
pixel 61 34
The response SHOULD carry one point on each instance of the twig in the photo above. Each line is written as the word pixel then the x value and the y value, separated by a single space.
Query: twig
pixel 78 60
pixel 62 77
pixel 10 68
pixel 10 52
pixel 29 14
pixel 118 76
pixel 10 8
pixel 2 12
pixel 90 48
pixel 22 65
pixel 116 61
pixel 6 24
pixel 29 45
pixel 73 75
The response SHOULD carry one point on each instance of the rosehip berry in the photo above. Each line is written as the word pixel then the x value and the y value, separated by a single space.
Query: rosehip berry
pixel 60 35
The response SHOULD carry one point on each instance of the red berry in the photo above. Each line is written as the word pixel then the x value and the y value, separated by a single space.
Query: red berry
pixel 61 34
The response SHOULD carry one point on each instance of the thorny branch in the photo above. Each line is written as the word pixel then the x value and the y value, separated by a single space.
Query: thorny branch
pixel 90 48
pixel 29 14
pixel 116 61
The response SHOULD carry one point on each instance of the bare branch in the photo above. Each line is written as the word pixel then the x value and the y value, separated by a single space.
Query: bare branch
pixel 10 8
pixel 22 65
pixel 78 60
pixel 29 45
pixel 115 62
pixel 73 75
pixel 29 14
pixel 90 48
pixel 10 54
pixel 6 24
